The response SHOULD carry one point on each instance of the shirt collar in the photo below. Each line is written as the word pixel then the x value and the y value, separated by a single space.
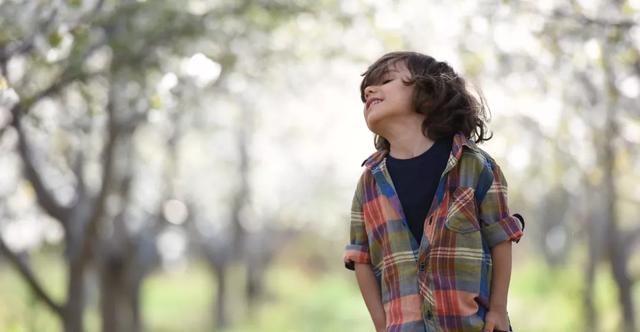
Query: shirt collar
pixel 459 141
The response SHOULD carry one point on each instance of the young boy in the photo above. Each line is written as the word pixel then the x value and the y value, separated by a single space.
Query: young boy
pixel 431 233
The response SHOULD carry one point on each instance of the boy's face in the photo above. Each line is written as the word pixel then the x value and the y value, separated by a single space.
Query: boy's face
pixel 389 101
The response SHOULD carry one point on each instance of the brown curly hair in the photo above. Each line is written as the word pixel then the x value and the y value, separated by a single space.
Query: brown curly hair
pixel 439 93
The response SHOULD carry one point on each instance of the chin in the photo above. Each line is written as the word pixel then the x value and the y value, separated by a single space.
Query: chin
pixel 374 122
pixel 373 128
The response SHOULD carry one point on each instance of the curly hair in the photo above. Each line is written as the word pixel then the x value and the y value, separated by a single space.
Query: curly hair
pixel 439 93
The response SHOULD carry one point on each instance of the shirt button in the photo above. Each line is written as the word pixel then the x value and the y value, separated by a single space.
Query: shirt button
pixel 422 266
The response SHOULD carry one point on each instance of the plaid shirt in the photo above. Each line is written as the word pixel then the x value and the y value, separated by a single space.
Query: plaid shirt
pixel 443 282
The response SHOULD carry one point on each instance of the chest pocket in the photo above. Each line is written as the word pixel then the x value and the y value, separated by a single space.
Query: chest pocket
pixel 462 214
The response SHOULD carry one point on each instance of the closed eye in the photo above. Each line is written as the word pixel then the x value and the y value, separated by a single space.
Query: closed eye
pixel 386 81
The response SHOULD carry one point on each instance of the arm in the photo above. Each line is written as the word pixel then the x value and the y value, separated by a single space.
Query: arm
pixel 497 318
pixel 356 257
pixel 500 277
pixel 499 230
pixel 371 294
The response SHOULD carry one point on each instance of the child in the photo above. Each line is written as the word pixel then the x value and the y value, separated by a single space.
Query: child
pixel 431 233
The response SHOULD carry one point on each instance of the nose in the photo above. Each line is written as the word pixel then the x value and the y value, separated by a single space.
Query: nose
pixel 368 91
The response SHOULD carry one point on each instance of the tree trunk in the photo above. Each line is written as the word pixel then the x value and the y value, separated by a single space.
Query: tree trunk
pixel 134 299
pixel 120 277
pixel 617 255
pixel 255 277
pixel 115 305
pixel 109 289
pixel 220 313
pixel 74 308
pixel 590 319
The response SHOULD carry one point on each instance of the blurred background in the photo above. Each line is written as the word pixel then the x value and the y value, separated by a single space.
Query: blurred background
pixel 189 165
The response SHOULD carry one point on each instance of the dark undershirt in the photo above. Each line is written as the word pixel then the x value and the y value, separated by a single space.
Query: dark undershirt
pixel 416 180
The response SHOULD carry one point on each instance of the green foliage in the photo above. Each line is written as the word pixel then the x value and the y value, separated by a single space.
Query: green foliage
pixel 473 63
pixel 155 102
pixel 628 9
pixel 75 3
pixel 55 38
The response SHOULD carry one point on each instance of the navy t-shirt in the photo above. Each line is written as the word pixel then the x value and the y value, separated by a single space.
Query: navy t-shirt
pixel 416 180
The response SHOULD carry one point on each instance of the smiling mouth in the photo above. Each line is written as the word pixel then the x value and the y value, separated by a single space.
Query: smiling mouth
pixel 373 102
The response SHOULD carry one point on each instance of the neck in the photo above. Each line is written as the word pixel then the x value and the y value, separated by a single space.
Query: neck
pixel 407 140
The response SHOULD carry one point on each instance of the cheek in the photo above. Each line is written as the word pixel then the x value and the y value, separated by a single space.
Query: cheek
pixel 408 99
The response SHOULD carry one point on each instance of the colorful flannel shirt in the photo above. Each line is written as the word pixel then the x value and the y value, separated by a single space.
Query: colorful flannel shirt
pixel 443 282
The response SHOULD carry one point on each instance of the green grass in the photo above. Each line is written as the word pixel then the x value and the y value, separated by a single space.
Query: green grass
pixel 19 310
pixel 545 299
pixel 177 301
pixel 540 299
pixel 302 303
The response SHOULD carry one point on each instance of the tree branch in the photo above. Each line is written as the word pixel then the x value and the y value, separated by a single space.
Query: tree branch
pixel 30 278
pixel 99 204
pixel 45 198
pixel 601 22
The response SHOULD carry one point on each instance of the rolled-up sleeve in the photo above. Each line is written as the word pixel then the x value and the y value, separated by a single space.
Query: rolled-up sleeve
pixel 357 250
pixel 497 225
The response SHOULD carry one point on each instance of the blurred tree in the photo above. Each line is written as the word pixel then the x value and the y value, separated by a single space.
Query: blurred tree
pixel 588 57
pixel 252 61
pixel 80 220
pixel 105 50
pixel 95 65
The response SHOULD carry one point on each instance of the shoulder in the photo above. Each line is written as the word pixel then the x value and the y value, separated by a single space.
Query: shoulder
pixel 476 167
pixel 363 176
pixel 476 158
pixel 365 179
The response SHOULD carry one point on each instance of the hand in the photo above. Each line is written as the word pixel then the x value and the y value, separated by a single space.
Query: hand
pixel 496 319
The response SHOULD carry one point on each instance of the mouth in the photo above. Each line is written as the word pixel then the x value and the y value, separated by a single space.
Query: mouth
pixel 372 101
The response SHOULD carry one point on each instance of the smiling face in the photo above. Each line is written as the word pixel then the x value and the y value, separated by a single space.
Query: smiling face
pixel 388 99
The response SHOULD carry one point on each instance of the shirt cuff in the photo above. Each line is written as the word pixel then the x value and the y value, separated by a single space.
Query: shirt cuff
pixel 355 254
pixel 507 228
